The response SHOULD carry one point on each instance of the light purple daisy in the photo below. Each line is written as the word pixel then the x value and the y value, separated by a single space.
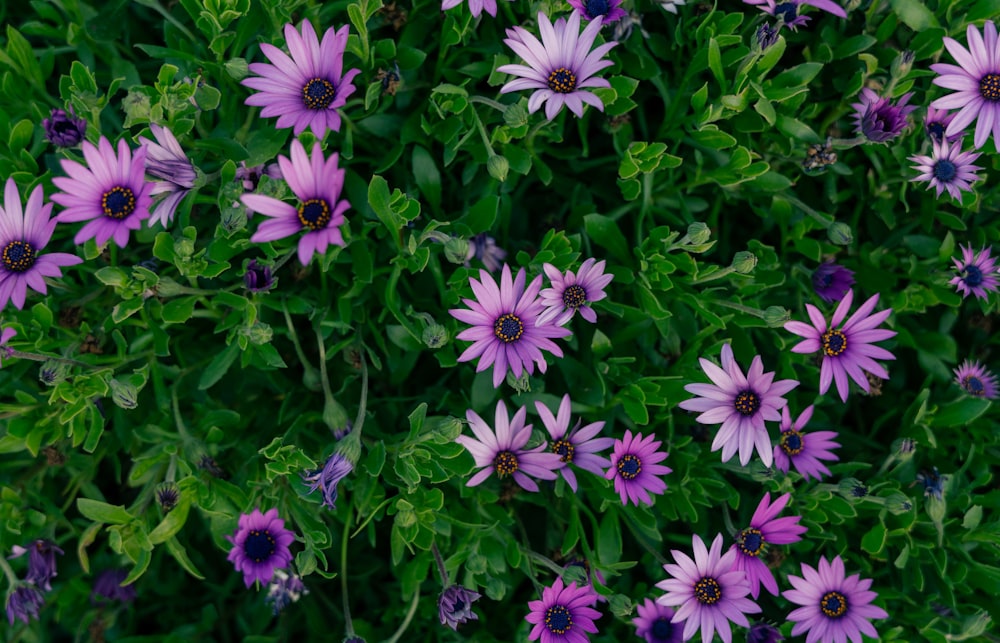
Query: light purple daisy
pixel 607 10
pixel 111 192
pixel 475 6
pixel 317 183
pixel 166 161
pixel 976 380
pixel 804 450
pixel 741 404
pixel 788 11
pixel 832 281
pixel 260 545
pixel 571 293
pixel 708 590
pixel 835 607
pixel 579 446
pixel 23 236
pixel 947 168
pixel 977 273
pixel 504 330
pixel 877 119
pixel 559 67
pixel 306 89
pixel 455 606
pixel 652 623
pixel 635 470
pixel 976 80
pixel 936 122
pixel 563 615
pixel 847 349
pixel 502 449
pixel 765 529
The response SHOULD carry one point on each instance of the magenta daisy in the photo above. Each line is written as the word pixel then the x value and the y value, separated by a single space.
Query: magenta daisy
pixel 563 615
pixel 804 450
pixel 835 607
pixel 504 332
pixel 976 80
pixel 740 403
pixel 306 89
pixel 947 168
pixel 936 122
pixel 166 161
pixel 607 10
pixel 317 183
pixel 571 293
pixel 847 349
pixel 475 6
pixel 260 545
pixel 788 11
pixel 560 66
pixel 708 591
pixel 635 470
pixel 652 622
pixel 765 529
pixel 23 236
pixel 579 447
pixel 110 193
pixel 976 380
pixel 977 273
pixel 502 449
pixel 877 119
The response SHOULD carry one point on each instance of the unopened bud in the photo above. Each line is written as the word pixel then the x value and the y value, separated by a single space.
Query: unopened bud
pixel 124 395
pixel 515 115
pixel 902 64
pixel 456 250
pixel 904 448
pixel 53 372
pixel 184 247
pixel 698 233
pixel 435 336
pixel 237 68
pixel 840 234
pixel 519 384
pixel 498 167
pixel 258 334
pixel 167 287
pixel 446 429
pixel 622 607
pixel 852 489
pixel 167 496
pixel 898 503
pixel 311 380
pixel 744 262
pixel 776 316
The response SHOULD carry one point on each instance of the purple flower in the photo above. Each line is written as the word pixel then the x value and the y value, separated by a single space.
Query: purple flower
pixel 788 11
pixel 847 350
pixel 5 336
pixel 284 590
pixel 977 84
pixel 801 450
pixel 976 273
pixel 563 614
pixel 258 277
pixel 708 590
pixel 504 329
pixel 653 623
pixel 559 67
pixel 64 130
pixel 317 183
pixel 306 89
pixel 475 6
pixel 24 603
pixel 109 586
pixel 607 10
pixel 455 606
pixel 250 176
pixel 764 633
pixel 23 236
pixel 976 380
pixel 571 293
pixel 485 248
pixel 41 562
pixel 948 168
pixel 337 468
pixel 832 281
pixel 635 470
pixel 933 483
pixel 503 450
pixel 741 404
pixel 835 607
pixel 110 193
pixel 877 119
pixel 936 122
pixel 260 545
pixel 166 160
pixel 579 446
pixel 765 529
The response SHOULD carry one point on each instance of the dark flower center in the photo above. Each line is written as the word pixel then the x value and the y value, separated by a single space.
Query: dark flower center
pixel 973 385
pixel 834 343
pixel 597 7
pixel 629 467
pixel 747 403
pixel 558 619
pixel 707 591
pixel 823 281
pixel 787 11
pixel 318 93
pixel 259 545
pixel 314 214
pixel 562 81
pixel 118 202
pixel 663 629
pixel 508 328
pixel 833 604
pixel 792 442
pixel 563 448
pixel 574 296
pixel 18 256
pixel 989 87
pixel 973 275
pixel 65 127
pixel 859 491
pixel 936 131
pixel 945 170
pixel 505 463
pixel 750 541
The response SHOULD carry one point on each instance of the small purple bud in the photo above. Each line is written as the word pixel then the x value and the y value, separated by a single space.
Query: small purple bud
pixel 24 603
pixel 64 130
pixel 258 277
pixel 455 606
pixel 832 281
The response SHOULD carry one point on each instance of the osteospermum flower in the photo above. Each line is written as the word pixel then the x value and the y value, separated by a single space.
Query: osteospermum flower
pixel 708 591
pixel 108 586
pixel 284 590
pixel 635 470
pixel 804 450
pixel 877 119
pixel 504 332
pixel 336 468
pixel 23 236
pixel 41 561
pixel 501 449
pixel 947 168
pixel 977 272
pixel 166 161
pixel 976 380
pixel 563 615
pixel 111 192
pixel 936 122
pixel 64 130
pixel 306 89
pixel 475 6
pixel 671 5
pixel 579 446
pixel 24 603
pixel 976 80
pixel 847 349
pixel 260 545
pixel 455 606
pixel 317 183
pixel 653 623
pixel 788 11
pixel 832 281
pixel 484 247
pixel 607 11
pixel 571 293
pixel 765 529
pixel 835 607
pixel 559 67
pixel 740 403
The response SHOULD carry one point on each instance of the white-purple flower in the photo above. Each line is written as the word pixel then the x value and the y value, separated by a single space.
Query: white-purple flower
pixel 166 161
pixel 570 293
pixel 578 447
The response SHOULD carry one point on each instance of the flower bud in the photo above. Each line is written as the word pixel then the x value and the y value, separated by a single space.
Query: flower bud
pixel 53 372
pixel 184 247
pixel 137 108
pixel 766 36
pixel 311 380
pixel 435 336
pixel 236 68
pixel 776 316
pixel 840 234
pixel 519 384
pixel 64 130
pixel 334 415
pixel 167 287
pixel 515 115
pixel 167 496
pixel 902 64
pixel 744 262
pixel 852 489
pixel 898 503
pixel 904 448
pixel 258 277
pixel 233 218
pixel 697 233
pixel 446 429
pixel 258 334
pixel 124 395
pixel 456 250
pixel 621 606
pixel 498 167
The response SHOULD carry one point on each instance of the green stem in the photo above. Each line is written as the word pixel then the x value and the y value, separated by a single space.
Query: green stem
pixel 482 133
pixel 306 365
pixel 740 307
pixel 348 624
pixel 718 274
pixel 35 357
pixel 845 143
pixel 409 617
pixel 359 421
pixel 324 379
pixel 9 573
pixel 500 107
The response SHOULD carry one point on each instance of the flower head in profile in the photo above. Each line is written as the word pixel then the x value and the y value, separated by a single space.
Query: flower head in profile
pixel 484 247
pixel 23 236
pixel 475 6
pixel 283 590
pixel 578 447
pixel 936 122
pixel 110 193
pixel 832 281
pixel 64 130
pixel 41 562
pixel 305 89
pixel 635 470
pixel 607 11
pixel 24 603
pixel 258 277
pixel 847 346
pixel 977 272
pixel 336 468
pixel 765 529
pixel 976 81
pixel 653 623
pixel 802 450
pixel 560 66
pixel 563 614
pixel 976 380
pixel 108 587
pixel 707 591
pixel 947 168
pixel 455 606
pixel 571 293
pixel 260 545
pixel 788 11
pixel 877 119
pixel 317 182
pixel 835 607
pixel 166 161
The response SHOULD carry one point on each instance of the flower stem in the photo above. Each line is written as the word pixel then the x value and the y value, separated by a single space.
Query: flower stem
pixel 359 421
pixel 306 365
pixel 740 307
pixel 409 617
pixel 500 107
pixel 8 572
pixel 440 564
pixel 718 274
pixel 348 623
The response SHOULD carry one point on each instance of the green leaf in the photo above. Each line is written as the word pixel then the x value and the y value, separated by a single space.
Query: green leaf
pixel 103 512
pixel 972 517
pixel 179 311
pixel 378 198
pixel 428 178
pixel 82 77
pixel 609 543
pixel 218 366
pixel 873 542
pixel 715 62
pixel 914 14
pixel 172 523
pixel 20 135
pixel 605 233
